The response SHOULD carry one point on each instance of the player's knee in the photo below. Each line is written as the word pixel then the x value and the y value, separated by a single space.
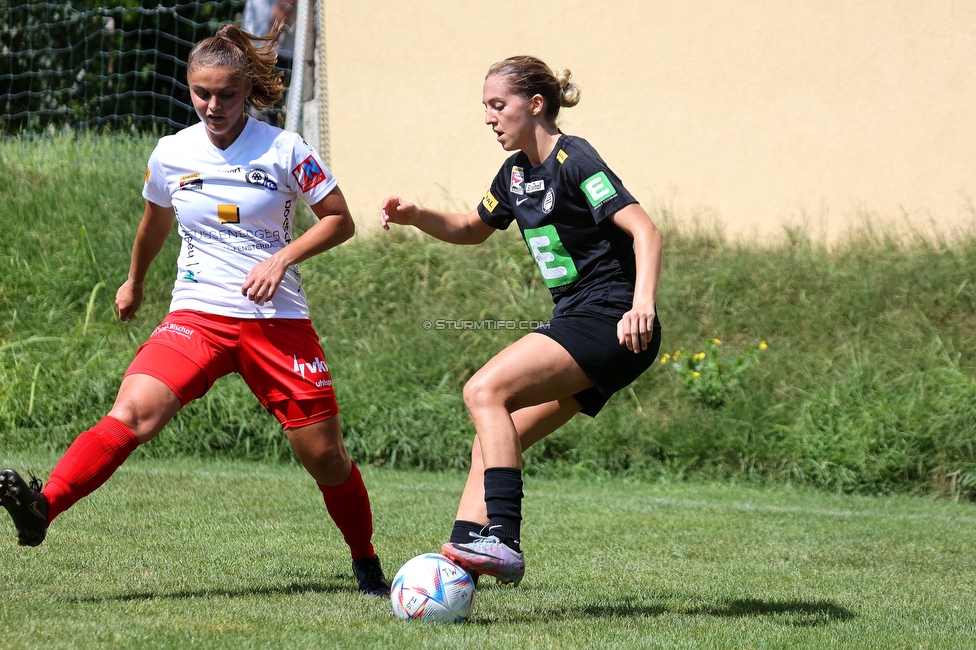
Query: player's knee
pixel 334 455
pixel 328 466
pixel 333 462
pixel 144 423
pixel 320 447
pixel 480 392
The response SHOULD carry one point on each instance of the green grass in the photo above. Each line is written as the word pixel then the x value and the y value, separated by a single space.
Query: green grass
pixel 867 385
pixel 237 554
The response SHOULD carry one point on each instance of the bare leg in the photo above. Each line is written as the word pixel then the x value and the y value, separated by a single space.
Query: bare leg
pixel 322 452
pixel 145 405
pixel 530 372
pixel 518 398
pixel 536 378
pixel 533 423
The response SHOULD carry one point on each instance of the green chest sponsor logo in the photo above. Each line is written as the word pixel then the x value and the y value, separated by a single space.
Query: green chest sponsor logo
pixel 549 253
pixel 598 189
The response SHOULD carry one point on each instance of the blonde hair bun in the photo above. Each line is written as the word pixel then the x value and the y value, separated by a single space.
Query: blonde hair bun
pixel 568 90
pixel 528 76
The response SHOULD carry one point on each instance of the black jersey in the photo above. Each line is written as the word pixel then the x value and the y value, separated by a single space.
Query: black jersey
pixel 562 208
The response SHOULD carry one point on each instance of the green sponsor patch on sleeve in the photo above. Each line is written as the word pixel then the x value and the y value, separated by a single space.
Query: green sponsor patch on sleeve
pixel 598 189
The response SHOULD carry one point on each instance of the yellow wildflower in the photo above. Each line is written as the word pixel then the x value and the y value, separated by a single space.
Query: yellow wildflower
pixel 677 353
pixel 665 358
pixel 716 342
pixel 697 374
pixel 762 345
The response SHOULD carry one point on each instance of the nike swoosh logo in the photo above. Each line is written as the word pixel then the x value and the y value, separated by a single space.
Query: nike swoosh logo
pixel 521 201
pixel 37 511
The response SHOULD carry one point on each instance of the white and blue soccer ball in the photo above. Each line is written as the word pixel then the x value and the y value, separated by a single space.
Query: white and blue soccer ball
pixel 432 588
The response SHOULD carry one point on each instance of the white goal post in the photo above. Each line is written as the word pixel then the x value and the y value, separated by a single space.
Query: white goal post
pixel 306 110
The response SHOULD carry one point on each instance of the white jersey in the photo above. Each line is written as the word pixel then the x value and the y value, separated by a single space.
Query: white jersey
pixel 235 208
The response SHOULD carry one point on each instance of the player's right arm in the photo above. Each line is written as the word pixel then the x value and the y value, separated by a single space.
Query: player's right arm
pixel 446 226
pixel 156 224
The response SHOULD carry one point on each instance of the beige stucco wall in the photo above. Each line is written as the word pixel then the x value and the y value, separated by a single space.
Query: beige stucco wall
pixel 759 112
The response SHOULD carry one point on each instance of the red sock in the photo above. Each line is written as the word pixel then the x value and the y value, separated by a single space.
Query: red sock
pixel 348 505
pixel 90 460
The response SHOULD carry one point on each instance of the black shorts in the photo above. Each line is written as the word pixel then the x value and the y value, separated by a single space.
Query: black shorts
pixel 590 337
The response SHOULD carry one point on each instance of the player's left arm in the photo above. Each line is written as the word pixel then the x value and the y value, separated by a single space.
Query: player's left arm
pixel 637 325
pixel 334 226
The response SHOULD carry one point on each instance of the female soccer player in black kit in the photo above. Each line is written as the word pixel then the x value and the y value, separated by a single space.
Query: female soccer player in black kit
pixel 600 255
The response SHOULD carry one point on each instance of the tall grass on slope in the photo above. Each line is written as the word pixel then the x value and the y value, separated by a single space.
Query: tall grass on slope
pixel 867 384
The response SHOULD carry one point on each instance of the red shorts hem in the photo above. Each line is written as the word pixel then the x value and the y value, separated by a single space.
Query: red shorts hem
pixel 152 355
pixel 294 413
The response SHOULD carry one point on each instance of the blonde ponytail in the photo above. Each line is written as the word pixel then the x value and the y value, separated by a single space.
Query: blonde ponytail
pixel 232 47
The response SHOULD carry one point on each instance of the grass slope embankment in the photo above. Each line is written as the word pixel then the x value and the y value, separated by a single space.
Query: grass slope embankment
pixel 867 384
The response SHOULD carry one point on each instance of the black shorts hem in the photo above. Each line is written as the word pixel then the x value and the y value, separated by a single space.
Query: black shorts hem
pixel 591 339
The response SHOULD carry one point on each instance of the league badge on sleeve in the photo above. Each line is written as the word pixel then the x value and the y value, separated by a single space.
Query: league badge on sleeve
pixel 309 173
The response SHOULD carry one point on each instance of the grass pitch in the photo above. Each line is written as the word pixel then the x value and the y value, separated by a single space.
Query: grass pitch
pixel 235 554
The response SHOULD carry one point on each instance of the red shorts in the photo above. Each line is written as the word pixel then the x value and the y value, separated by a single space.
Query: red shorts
pixel 280 360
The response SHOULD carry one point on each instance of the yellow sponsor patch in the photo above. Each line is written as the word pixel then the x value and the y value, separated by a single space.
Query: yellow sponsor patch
pixel 228 213
pixel 147 174
pixel 489 201
pixel 562 156
pixel 186 177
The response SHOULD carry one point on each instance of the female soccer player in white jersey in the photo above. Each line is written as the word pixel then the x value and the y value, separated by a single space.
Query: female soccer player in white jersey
pixel 600 255
pixel 231 184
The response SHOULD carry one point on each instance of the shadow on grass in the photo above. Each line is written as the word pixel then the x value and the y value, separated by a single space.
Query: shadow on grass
pixel 793 613
pixel 339 585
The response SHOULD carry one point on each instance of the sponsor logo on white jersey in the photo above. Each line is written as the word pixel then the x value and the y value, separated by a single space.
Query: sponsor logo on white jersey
pixel 191 182
pixel 260 177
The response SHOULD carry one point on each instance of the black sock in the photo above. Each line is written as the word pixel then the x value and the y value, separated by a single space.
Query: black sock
pixel 462 529
pixel 503 498
pixel 461 535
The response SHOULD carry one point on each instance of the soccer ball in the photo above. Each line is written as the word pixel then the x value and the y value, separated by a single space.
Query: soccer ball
pixel 432 588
